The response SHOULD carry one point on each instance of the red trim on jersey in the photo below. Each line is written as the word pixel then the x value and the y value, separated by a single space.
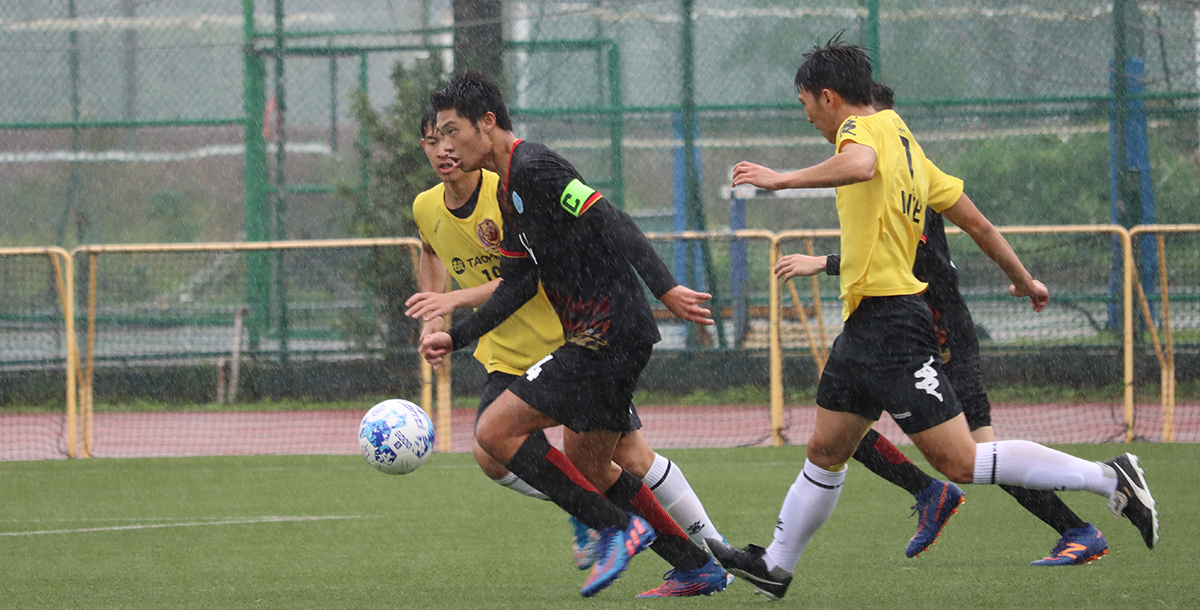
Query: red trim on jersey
pixel 587 204
pixel 562 463
pixel 923 239
pixel 511 254
pixel 508 174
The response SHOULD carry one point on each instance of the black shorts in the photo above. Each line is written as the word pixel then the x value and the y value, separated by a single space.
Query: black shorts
pixel 498 381
pixel 955 332
pixel 886 359
pixel 963 372
pixel 585 389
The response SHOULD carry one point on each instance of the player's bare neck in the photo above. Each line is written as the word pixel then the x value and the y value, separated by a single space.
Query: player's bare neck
pixel 849 110
pixel 501 154
pixel 459 191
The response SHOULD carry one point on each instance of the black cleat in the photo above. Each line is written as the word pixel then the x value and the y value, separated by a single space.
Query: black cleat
pixel 748 564
pixel 1132 498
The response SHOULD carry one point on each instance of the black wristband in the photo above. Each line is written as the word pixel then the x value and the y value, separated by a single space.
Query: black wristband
pixel 833 264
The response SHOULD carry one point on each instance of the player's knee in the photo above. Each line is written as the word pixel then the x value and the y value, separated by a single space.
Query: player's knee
pixel 957 470
pixel 487 440
pixel 828 456
pixel 490 467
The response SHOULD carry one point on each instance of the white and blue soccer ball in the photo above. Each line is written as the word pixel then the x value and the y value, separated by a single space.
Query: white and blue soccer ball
pixel 396 437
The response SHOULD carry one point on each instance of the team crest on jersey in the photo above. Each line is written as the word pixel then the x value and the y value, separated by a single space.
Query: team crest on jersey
pixel 517 203
pixel 489 235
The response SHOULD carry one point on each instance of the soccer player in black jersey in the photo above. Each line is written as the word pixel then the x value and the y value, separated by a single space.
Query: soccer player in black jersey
pixel 936 500
pixel 588 256
pixel 887 356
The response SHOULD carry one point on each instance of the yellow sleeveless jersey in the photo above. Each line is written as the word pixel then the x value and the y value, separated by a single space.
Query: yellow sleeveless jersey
pixel 470 250
pixel 882 219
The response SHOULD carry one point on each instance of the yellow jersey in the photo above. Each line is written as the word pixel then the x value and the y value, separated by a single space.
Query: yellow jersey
pixel 882 219
pixel 470 250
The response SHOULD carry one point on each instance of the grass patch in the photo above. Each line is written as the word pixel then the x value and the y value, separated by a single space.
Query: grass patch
pixel 446 538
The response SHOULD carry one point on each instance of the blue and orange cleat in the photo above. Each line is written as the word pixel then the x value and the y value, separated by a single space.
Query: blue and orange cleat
pixel 585 544
pixel 705 580
pixel 934 507
pixel 1076 547
pixel 617 547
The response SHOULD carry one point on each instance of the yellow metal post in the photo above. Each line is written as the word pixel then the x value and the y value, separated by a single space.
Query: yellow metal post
pixel 1169 369
pixel 776 355
pixel 1126 246
pixel 86 392
pixel 66 291
pixel 817 313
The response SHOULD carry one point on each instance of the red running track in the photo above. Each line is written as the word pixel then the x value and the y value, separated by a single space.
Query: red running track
pixel 181 434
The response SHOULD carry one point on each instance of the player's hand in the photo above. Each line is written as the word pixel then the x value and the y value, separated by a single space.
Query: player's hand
pixel 762 177
pixel 799 264
pixel 429 305
pixel 1035 290
pixel 435 346
pixel 433 325
pixel 686 303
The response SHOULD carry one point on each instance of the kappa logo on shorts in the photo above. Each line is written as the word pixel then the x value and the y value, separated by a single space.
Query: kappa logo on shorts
pixel 928 380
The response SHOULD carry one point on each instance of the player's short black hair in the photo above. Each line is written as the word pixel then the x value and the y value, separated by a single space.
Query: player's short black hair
pixel 839 66
pixel 428 120
pixel 473 95
pixel 883 97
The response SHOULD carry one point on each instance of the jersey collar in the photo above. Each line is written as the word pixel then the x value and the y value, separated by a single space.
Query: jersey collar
pixel 508 175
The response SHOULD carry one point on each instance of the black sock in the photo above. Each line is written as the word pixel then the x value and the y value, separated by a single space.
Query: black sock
pixel 1047 506
pixel 549 471
pixel 880 456
pixel 672 543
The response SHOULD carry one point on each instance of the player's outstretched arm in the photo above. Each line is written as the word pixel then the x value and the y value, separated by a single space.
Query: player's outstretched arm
pixel 431 278
pixel 794 265
pixel 688 304
pixel 520 285
pixel 431 306
pixel 855 163
pixel 624 236
pixel 968 218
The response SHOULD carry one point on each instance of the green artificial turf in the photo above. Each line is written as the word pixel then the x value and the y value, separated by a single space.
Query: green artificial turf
pixel 225 533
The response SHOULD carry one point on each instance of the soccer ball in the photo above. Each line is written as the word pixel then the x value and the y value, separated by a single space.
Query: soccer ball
pixel 396 437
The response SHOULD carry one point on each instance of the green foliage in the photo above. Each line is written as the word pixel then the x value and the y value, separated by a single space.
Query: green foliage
pixel 1037 179
pixel 399 171
pixel 176 211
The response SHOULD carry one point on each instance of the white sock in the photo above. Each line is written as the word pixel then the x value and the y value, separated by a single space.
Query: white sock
pixel 515 483
pixel 1032 466
pixel 675 495
pixel 809 503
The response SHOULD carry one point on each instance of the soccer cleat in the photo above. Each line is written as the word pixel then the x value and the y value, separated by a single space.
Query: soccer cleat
pixel 616 547
pixel 585 544
pixel 1132 498
pixel 934 507
pixel 749 565
pixel 1076 547
pixel 705 580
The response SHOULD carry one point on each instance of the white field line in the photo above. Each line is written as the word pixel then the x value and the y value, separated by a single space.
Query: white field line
pixel 147 526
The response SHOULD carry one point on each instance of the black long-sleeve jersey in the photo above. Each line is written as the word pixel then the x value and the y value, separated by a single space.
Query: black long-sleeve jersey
pixel 583 249
pixel 955 327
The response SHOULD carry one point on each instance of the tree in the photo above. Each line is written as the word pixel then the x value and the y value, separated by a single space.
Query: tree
pixel 399 171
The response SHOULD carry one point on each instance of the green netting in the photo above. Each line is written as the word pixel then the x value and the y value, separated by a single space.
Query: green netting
pixel 128 123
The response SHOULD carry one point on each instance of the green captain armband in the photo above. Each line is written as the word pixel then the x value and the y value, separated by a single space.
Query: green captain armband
pixel 578 197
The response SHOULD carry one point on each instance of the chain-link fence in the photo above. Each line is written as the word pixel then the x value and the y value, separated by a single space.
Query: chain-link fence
pixel 143 121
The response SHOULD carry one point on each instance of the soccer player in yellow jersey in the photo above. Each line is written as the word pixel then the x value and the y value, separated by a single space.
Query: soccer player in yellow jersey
pixel 460 227
pixel 887 355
